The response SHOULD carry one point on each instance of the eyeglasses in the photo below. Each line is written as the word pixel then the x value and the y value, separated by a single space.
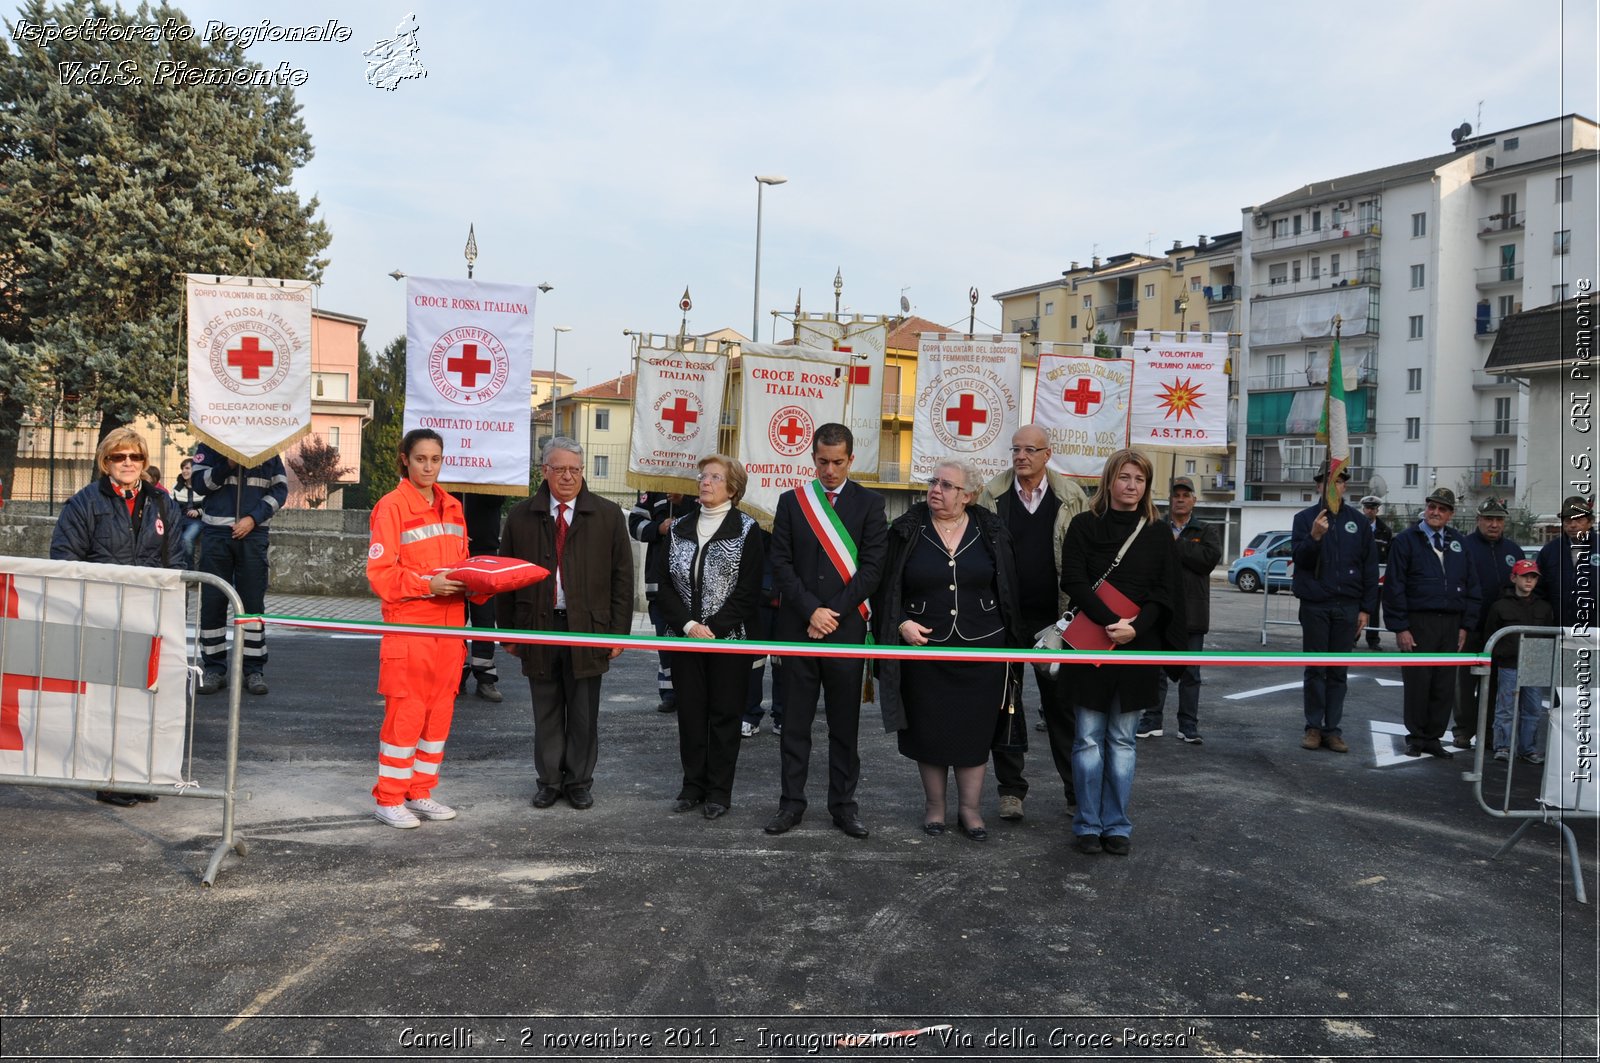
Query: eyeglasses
pixel 118 459
pixel 1030 451
pixel 943 485
pixel 564 470
pixel 712 478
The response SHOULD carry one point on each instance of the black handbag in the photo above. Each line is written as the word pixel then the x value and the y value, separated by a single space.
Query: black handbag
pixel 1011 730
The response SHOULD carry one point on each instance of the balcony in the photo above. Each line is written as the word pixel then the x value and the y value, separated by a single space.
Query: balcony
pixel 1367 275
pixel 1116 309
pixel 1497 428
pixel 1500 223
pixel 1222 293
pixel 1351 229
pixel 1483 380
pixel 898 405
pixel 1504 479
pixel 1505 273
pixel 1025 324
pixel 1485 327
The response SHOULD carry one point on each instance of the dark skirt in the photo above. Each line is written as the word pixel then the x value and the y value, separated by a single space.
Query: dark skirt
pixel 952 707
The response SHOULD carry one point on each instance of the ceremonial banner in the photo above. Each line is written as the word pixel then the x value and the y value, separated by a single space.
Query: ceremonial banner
pixel 677 408
pixel 92 671
pixel 249 364
pixel 1084 404
pixel 968 394
pixel 469 366
pixel 1180 390
pixel 865 339
pixel 787 393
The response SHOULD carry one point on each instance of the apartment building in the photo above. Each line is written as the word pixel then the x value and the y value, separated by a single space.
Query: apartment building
pixel 1418 262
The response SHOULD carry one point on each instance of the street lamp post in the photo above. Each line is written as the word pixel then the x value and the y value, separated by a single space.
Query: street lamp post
pixel 555 388
pixel 755 310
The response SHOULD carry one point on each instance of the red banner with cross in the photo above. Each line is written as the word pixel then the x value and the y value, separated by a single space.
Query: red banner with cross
pixel 249 363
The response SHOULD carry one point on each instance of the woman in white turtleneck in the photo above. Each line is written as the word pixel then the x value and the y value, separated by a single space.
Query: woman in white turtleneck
pixel 712 590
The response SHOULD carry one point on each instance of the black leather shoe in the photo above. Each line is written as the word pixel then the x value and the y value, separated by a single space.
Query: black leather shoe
pixel 1089 843
pixel 851 824
pixel 933 830
pixel 686 804
pixel 977 834
pixel 666 706
pixel 1437 749
pixel 785 821
pixel 146 799
pixel 120 800
pixel 546 796
pixel 714 810
pixel 1413 750
pixel 1115 844
pixel 578 797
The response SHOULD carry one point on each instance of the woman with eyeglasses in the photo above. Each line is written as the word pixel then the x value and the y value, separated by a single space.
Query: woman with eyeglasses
pixel 712 590
pixel 1122 542
pixel 949 582
pixel 120 519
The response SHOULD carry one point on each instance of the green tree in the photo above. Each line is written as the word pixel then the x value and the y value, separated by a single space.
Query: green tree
pixel 383 380
pixel 1100 337
pixel 111 189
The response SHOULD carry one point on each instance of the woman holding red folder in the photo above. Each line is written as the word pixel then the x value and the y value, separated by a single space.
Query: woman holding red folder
pixel 1119 541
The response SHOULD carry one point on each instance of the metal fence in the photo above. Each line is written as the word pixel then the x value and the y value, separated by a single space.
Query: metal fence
pixel 1279 606
pixel 98 638
pixel 1557 666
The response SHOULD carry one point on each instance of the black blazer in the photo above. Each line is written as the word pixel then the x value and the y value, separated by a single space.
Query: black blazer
pixel 806 580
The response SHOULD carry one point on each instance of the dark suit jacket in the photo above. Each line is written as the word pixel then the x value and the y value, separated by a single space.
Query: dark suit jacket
pixel 596 572
pixel 806 580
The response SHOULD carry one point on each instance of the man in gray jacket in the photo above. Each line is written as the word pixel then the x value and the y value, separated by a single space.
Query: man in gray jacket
pixel 1199 550
pixel 1036 503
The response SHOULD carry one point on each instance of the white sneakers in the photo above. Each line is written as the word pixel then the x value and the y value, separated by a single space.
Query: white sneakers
pixel 428 808
pixel 407 815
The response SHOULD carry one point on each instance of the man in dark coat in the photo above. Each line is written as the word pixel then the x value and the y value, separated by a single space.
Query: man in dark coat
pixel 1431 602
pixel 583 540
pixel 1199 549
pixel 820 604
pixel 1567 566
pixel 1492 555
pixel 1336 581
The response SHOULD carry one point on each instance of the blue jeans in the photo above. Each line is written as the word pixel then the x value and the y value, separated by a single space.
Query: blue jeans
pixel 188 534
pixel 1102 770
pixel 1529 713
pixel 1327 627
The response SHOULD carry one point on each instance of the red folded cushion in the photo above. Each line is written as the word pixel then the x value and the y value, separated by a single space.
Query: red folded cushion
pixel 492 574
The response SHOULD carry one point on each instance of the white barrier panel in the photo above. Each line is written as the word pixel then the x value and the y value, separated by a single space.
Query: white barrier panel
pixel 93 677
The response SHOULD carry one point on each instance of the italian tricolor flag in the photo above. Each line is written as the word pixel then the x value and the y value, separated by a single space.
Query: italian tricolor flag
pixel 1335 429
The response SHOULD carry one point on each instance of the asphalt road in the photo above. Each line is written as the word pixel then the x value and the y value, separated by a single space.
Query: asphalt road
pixel 1278 903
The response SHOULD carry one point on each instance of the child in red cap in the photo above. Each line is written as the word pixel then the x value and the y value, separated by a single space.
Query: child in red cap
pixel 1517 606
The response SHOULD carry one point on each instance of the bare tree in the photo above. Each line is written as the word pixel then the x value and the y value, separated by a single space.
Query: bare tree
pixel 316 465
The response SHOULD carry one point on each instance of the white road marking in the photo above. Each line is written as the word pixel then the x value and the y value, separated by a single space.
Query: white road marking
pixel 1263 690
pixel 1388 744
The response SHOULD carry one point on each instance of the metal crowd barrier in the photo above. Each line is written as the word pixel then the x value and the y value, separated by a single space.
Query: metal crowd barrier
pixel 1561 663
pixel 98 636
pixel 1279 608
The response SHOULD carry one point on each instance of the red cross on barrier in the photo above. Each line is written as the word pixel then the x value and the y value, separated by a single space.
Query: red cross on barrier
pixel 12 685
pixel 1081 396
pixel 790 430
pixel 250 358
pixel 678 415
pixel 469 365
pixel 966 415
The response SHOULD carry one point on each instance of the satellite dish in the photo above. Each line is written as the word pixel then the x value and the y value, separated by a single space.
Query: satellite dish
pixel 905 305
pixel 1378 484
pixel 1460 132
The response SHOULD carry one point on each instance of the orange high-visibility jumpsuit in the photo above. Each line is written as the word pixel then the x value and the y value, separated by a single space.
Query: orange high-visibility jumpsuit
pixel 417 675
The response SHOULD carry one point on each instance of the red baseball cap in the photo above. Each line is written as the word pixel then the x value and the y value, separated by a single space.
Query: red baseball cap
pixel 1524 568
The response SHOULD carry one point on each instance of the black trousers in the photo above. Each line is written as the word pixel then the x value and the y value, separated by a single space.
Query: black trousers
pixel 710 700
pixel 1430 693
pixel 480 655
pixel 838 682
pixel 1466 720
pixel 1060 724
pixel 566 722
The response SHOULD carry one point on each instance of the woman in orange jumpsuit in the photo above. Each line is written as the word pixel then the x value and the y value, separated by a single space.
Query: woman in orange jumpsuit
pixel 417 529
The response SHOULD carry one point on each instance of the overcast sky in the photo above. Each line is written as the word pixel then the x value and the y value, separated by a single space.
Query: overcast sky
pixel 609 147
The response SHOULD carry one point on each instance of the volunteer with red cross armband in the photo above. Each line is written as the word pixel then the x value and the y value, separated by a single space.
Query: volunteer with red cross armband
pixel 418 533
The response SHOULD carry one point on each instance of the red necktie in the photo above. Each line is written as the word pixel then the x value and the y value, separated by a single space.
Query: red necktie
pixel 832 495
pixel 561 538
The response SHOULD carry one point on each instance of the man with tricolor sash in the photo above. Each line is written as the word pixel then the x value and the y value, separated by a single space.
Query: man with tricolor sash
pixel 829 539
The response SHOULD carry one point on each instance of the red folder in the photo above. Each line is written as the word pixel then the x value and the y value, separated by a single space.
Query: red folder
pixel 1084 634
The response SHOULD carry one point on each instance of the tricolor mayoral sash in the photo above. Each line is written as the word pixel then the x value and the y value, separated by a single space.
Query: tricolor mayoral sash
pixel 831 533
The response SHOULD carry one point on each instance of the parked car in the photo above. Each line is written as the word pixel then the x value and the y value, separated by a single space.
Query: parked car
pixel 1250 572
pixel 1265 541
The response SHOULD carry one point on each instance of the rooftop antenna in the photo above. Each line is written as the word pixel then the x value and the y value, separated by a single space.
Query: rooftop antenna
pixel 1480 115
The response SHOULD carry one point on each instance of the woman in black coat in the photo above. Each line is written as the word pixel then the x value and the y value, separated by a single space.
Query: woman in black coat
pixel 949 581
pixel 1109 698
pixel 120 519
pixel 711 590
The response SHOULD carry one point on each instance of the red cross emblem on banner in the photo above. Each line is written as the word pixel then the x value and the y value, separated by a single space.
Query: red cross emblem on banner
pixel 1082 396
pixel 250 358
pixel 12 685
pixel 791 430
pixel 966 415
pixel 678 416
pixel 469 365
